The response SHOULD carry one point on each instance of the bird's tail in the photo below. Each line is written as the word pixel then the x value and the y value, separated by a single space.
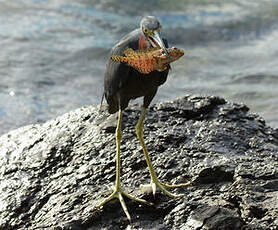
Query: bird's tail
pixel 100 107
pixel 118 58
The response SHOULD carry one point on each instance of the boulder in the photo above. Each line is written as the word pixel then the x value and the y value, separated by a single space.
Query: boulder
pixel 53 174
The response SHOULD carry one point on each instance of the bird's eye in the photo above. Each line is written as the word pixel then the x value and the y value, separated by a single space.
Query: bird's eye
pixel 145 30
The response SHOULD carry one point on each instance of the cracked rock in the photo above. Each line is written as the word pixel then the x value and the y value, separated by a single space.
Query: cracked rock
pixel 53 174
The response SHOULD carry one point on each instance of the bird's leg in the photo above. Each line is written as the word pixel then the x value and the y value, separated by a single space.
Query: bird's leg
pixel 154 180
pixel 118 192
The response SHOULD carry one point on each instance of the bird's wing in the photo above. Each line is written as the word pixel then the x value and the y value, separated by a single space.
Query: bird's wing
pixel 116 73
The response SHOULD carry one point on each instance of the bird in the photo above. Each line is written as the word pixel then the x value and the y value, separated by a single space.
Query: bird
pixel 123 83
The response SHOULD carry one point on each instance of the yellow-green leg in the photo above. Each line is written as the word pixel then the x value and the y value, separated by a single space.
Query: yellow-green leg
pixel 154 180
pixel 118 192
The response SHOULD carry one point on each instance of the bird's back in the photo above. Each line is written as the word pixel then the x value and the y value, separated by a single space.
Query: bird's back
pixel 122 82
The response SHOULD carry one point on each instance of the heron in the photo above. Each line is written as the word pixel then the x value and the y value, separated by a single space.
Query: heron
pixel 123 83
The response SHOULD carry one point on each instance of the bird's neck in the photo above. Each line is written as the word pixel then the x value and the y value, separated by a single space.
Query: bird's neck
pixel 143 43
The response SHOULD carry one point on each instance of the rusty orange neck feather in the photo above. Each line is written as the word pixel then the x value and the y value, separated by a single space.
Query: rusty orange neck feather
pixel 143 42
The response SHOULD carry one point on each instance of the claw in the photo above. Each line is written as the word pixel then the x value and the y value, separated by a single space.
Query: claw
pixel 124 206
pixel 175 185
pixel 163 188
pixel 118 193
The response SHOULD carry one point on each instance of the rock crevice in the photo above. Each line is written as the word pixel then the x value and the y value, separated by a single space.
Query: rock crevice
pixel 53 174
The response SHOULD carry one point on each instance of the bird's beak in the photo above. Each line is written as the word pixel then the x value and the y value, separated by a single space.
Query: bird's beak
pixel 157 41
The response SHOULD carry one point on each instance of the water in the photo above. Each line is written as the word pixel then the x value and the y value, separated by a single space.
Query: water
pixel 53 52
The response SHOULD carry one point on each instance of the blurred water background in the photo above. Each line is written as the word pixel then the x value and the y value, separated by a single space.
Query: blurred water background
pixel 53 52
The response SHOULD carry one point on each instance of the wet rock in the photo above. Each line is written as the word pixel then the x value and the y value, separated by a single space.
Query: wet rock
pixel 53 174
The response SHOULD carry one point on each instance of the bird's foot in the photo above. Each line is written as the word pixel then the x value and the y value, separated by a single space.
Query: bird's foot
pixel 118 193
pixel 155 183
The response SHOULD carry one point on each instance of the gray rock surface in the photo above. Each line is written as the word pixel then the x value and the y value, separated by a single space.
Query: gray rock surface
pixel 52 174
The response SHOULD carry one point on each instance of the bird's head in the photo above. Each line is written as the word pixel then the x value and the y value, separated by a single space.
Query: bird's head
pixel 151 27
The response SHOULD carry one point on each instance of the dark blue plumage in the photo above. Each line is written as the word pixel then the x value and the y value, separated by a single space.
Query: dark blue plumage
pixel 122 82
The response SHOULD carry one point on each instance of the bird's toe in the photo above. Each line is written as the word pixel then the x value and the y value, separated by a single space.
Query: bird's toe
pixel 152 187
pixel 119 194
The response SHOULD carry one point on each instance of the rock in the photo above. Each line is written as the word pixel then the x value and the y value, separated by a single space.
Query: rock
pixel 53 174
